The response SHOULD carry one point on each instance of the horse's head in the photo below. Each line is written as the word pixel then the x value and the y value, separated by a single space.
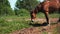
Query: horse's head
pixel 33 13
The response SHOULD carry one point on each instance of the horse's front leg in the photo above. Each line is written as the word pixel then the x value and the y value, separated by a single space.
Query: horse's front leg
pixel 46 11
pixel 47 17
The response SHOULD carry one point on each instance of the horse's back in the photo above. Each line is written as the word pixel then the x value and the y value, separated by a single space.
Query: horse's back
pixel 54 3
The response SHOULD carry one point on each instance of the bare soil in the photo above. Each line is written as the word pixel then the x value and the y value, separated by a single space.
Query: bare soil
pixel 40 29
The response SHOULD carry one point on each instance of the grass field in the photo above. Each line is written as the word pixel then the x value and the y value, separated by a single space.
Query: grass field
pixel 12 23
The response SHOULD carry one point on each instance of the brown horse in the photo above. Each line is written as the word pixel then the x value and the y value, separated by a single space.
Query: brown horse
pixel 46 7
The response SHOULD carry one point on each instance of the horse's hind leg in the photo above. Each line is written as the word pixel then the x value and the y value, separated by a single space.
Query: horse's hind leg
pixel 59 19
pixel 59 14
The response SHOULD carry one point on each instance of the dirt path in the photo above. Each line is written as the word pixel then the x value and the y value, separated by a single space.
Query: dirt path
pixel 39 30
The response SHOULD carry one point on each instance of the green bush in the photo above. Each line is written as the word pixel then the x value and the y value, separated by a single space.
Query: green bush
pixel 2 20
pixel 23 12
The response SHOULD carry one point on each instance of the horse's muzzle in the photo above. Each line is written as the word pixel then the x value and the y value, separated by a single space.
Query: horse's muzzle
pixel 32 20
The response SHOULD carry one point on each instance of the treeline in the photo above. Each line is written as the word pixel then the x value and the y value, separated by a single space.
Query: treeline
pixel 5 8
pixel 21 7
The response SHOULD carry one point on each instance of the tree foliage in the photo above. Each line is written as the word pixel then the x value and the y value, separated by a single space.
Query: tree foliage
pixel 26 4
pixel 5 8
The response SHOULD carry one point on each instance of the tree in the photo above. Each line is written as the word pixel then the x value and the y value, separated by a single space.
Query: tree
pixel 26 4
pixel 5 8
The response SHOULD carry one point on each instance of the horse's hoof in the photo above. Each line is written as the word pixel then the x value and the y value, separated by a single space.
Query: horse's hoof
pixel 31 21
pixel 58 20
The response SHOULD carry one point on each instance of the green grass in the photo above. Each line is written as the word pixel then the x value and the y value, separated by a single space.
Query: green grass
pixel 12 23
pixel 7 26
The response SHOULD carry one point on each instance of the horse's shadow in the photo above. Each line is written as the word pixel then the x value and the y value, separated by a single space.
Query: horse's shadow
pixel 37 25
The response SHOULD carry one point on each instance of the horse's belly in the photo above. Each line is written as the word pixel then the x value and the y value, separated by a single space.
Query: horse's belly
pixel 52 10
